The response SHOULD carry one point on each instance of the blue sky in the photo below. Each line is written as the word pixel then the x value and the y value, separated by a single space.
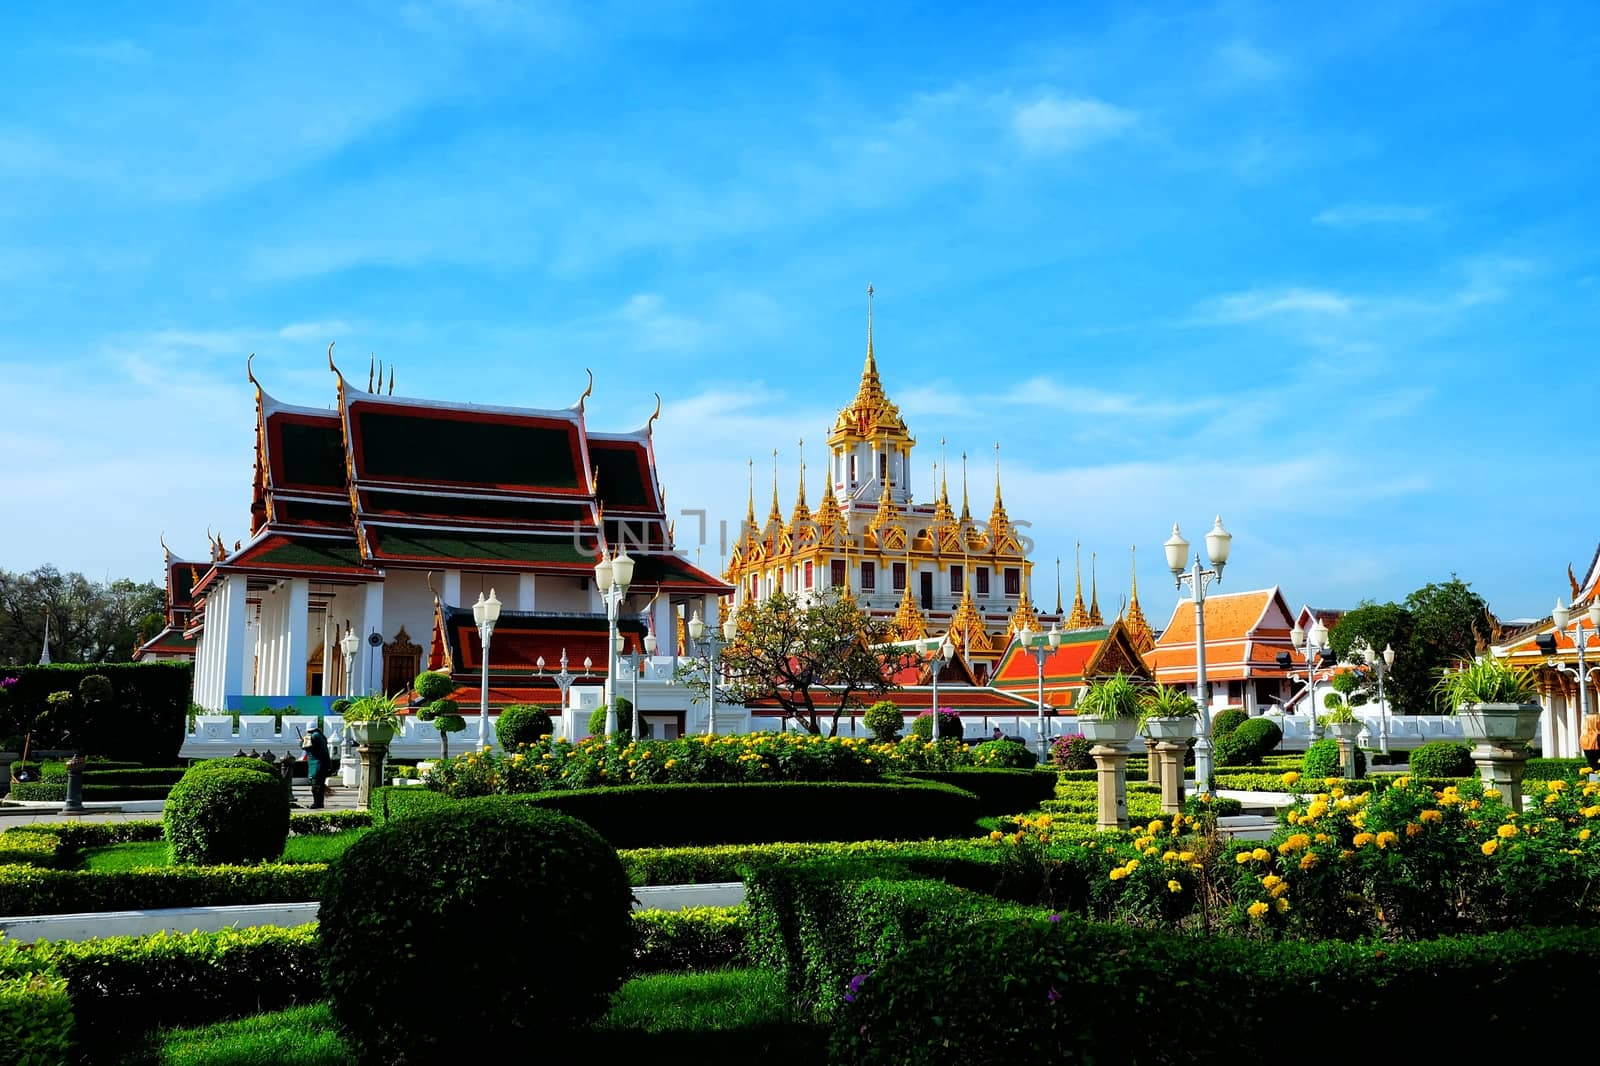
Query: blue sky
pixel 1330 270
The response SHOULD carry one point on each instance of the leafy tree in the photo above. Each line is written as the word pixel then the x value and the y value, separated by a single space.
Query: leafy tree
pixel 89 621
pixel 1438 625
pixel 885 721
pixel 597 719
pixel 435 687
pixel 1449 618
pixel 815 660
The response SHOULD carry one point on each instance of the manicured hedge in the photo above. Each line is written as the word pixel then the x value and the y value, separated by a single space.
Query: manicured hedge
pixel 1554 769
pixel 695 938
pixel 675 815
pixel 56 769
pixel 734 862
pixel 143 722
pixel 31 849
pixel 36 1020
pixel 28 890
pixel 56 792
pixel 1070 991
pixel 998 791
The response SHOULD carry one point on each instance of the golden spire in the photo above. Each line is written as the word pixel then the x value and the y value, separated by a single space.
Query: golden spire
pixel 1058 586
pixel 847 595
pixel 1138 628
pixel 944 468
pixel 966 512
pixel 943 516
pixel 775 515
pixel 1079 618
pixel 750 512
pixel 966 625
pixel 1094 593
pixel 871 366
pixel 908 620
pixel 999 522
pixel 802 511
pixel 1024 617
pixel 871 414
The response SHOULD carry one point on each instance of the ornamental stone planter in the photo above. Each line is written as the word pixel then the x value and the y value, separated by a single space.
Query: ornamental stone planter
pixel 1346 733
pixel 1159 729
pixel 1110 737
pixel 1113 731
pixel 372 734
pixel 1502 731
pixel 1172 744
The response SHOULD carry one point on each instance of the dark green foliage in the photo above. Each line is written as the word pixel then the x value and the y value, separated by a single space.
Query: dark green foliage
pixel 433 685
pixel 536 884
pixel 885 721
pixel 1322 761
pixel 522 723
pixel 674 815
pixel 1248 743
pixel 1004 755
pixel 1442 758
pixel 233 762
pixel 143 724
pixel 36 1018
pixel 56 792
pixel 999 791
pixel 339 706
pixel 1043 993
pixel 597 720
pixel 1227 720
pixel 735 862
pixel 696 938
pixel 95 689
pixel 26 890
pixel 1551 769
pixel 226 816
pixel 950 727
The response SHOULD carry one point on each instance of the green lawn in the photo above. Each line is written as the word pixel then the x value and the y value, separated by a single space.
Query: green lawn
pixel 723 1018
pixel 154 852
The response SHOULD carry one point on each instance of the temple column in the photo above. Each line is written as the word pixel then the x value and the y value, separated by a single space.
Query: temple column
pixel 450 590
pixel 370 660
pixel 232 635
pixel 1547 723
pixel 297 635
pixel 525 592
pixel 661 624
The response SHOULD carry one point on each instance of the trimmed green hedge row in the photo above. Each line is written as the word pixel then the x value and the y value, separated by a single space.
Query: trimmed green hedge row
pixel 733 862
pixel 1554 769
pixel 100 834
pixel 1044 992
pixel 36 1018
pixel 695 938
pixel 56 769
pixel 56 792
pixel 998 791
pixel 675 815
pixel 31 890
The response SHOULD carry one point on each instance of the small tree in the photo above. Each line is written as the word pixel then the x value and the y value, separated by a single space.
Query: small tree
pixel 434 687
pixel 885 721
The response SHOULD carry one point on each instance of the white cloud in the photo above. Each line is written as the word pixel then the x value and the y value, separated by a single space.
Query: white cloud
pixel 1257 304
pixel 1052 124
pixel 1374 214
pixel 1243 61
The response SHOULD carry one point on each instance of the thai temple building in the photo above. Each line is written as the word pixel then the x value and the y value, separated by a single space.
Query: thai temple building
pixel 387 517
pixel 928 567
pixel 1245 632
pixel 174 643
pixel 1554 655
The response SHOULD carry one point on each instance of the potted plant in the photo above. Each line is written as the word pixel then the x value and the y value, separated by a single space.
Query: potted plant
pixel 373 720
pixel 1341 718
pixel 1109 711
pixel 1165 713
pixel 1495 702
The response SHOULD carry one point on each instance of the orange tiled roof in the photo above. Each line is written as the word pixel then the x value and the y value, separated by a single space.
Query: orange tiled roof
pixel 1228 616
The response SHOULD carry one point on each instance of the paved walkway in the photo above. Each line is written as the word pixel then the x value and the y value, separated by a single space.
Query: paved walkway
pixel 339 798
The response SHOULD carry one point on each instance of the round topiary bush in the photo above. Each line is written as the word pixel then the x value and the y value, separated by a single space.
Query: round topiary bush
pixel 1248 743
pixel 949 726
pixel 1322 761
pixel 1071 752
pixel 523 723
pixel 232 762
pixel 885 721
pixel 525 911
pixel 1442 758
pixel 1004 753
pixel 432 685
pixel 597 720
pixel 228 815
pixel 1226 721
pixel 95 689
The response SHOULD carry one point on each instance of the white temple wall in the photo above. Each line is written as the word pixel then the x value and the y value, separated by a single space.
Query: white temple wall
pixel 408 602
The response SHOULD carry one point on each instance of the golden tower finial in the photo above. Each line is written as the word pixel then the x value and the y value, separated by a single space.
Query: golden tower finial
pixel 1058 586
pixel 997 502
pixel 1094 592
pixel 776 515
pixel 1079 618
pixel 750 510
pixel 871 366
pixel 944 489
pixel 802 510
pixel 1138 628
pixel 966 512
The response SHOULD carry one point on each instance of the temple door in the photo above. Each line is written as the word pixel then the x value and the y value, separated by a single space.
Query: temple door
pixel 402 661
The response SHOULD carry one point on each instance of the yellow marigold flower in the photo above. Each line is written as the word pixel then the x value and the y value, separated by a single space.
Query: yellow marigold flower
pixel 1359 819
pixel 1297 842
pixel 1280 889
pixel 1402 781
pixel 1336 793
pixel 1174 886
pixel 1169 856
pixel 1283 906
pixel 1308 860
pixel 1257 910
pixel 1506 832
pixel 1557 786
pixel 1156 826
pixel 1346 853
pixel 1584 834
pixel 1490 847
pixel 1551 798
pixel 1270 880
pixel 1294 818
pixel 1321 838
pixel 1492 793
pixel 1242 858
pixel 1590 812
pixel 1362 840
pixel 1329 782
pixel 1133 864
pixel 1186 856
pixel 1413 828
pixel 996 835
pixel 1316 810
pixel 1261 855
pixel 1151 853
pixel 1292 777
pixel 1385 838
pixel 1118 874
pixel 1431 815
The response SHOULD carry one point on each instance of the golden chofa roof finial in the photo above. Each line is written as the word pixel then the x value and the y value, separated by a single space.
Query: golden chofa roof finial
pixel 331 365
pixel 651 421
pixel 250 375
pixel 871 366
pixel 587 392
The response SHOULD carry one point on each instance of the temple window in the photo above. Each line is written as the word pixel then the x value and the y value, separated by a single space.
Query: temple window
pixel 983 580
pixel 852 470
pixel 1013 581
pixel 957 580
pixel 899 577
pixel 869 577
pixel 808 575
pixel 883 467
pixel 837 577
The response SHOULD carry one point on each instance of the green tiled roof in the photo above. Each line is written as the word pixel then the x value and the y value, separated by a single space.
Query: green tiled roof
pixel 521 549
pixel 412 503
pixel 312 455
pixel 445 449
pixel 309 552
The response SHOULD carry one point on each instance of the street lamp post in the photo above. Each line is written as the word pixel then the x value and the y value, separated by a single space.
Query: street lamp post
pixel 1196 576
pixel 563 679
pixel 649 653
pixel 700 634
pixel 612 576
pixel 486 612
pixel 349 644
pixel 1315 646
pixel 1040 653
pixel 1381 663
pixel 943 651
pixel 1561 616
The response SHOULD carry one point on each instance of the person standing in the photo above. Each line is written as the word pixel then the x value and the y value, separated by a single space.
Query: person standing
pixel 318 763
